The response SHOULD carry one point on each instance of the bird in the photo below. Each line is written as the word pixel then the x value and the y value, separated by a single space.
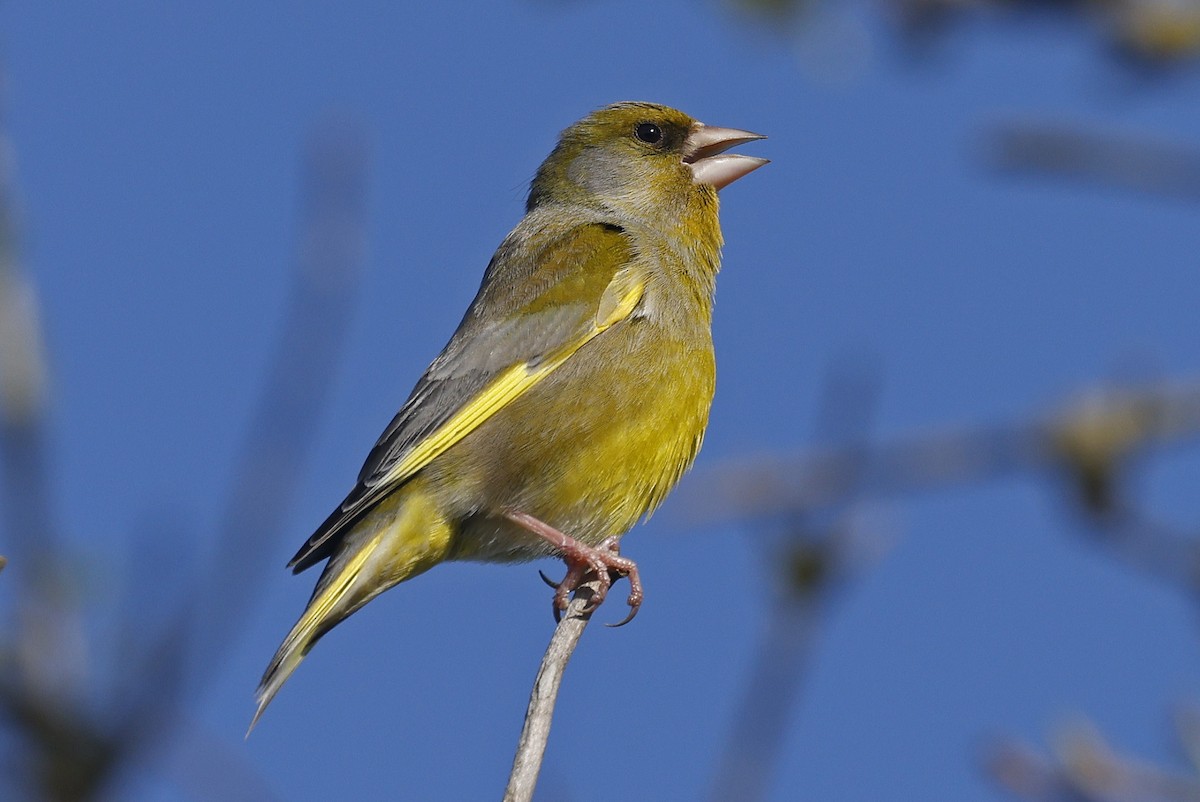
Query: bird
pixel 574 393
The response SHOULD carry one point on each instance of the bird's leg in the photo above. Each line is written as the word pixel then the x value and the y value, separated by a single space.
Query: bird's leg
pixel 604 561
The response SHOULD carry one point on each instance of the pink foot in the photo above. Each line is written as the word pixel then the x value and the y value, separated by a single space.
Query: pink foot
pixel 604 562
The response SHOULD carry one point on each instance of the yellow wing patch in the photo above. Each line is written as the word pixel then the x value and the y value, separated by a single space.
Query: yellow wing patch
pixel 619 301
pixel 321 612
pixel 321 606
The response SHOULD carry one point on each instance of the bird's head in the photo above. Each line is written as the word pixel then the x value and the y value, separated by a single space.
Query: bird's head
pixel 641 159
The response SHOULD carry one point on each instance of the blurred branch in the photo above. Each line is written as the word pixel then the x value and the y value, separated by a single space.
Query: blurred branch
pixel 809 570
pixel 1156 32
pixel 1140 34
pixel 1098 444
pixel 42 667
pixel 813 560
pixel 1092 446
pixel 75 736
pixel 1143 33
pixel 531 747
pixel 1155 550
pixel 328 267
pixel 1119 162
pixel 1083 767
pixel 1088 444
pixel 23 398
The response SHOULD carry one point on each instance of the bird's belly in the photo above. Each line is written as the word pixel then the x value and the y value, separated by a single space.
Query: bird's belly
pixel 589 450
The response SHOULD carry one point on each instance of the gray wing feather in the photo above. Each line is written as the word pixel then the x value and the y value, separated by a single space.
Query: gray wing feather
pixel 480 349
pixel 468 363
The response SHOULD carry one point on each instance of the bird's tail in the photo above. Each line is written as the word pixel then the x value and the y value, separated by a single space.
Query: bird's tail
pixel 399 543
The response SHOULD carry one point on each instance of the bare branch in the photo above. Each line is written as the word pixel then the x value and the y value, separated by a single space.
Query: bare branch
pixel 527 764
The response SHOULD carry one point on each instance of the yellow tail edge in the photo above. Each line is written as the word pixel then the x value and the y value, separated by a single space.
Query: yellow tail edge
pixel 325 610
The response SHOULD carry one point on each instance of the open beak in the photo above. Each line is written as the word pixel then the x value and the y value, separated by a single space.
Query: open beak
pixel 704 152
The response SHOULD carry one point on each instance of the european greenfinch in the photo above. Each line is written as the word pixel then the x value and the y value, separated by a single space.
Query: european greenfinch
pixel 574 393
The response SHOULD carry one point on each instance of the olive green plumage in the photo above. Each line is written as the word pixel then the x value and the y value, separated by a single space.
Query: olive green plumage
pixel 575 390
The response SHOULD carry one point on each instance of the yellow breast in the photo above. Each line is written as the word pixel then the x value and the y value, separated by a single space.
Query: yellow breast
pixel 590 450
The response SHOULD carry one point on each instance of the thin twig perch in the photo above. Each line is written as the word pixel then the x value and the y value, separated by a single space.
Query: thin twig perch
pixel 527 763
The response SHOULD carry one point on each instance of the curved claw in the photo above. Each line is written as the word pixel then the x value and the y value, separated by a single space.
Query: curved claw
pixel 633 610
pixel 554 604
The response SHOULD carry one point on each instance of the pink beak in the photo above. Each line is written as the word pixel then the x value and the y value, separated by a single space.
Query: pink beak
pixel 704 153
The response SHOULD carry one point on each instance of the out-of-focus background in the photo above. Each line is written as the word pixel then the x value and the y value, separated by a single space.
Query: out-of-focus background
pixel 939 545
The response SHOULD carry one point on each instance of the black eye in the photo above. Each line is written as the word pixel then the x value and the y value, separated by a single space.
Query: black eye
pixel 649 133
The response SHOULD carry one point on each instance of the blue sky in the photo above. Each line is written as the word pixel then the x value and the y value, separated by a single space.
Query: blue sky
pixel 158 150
